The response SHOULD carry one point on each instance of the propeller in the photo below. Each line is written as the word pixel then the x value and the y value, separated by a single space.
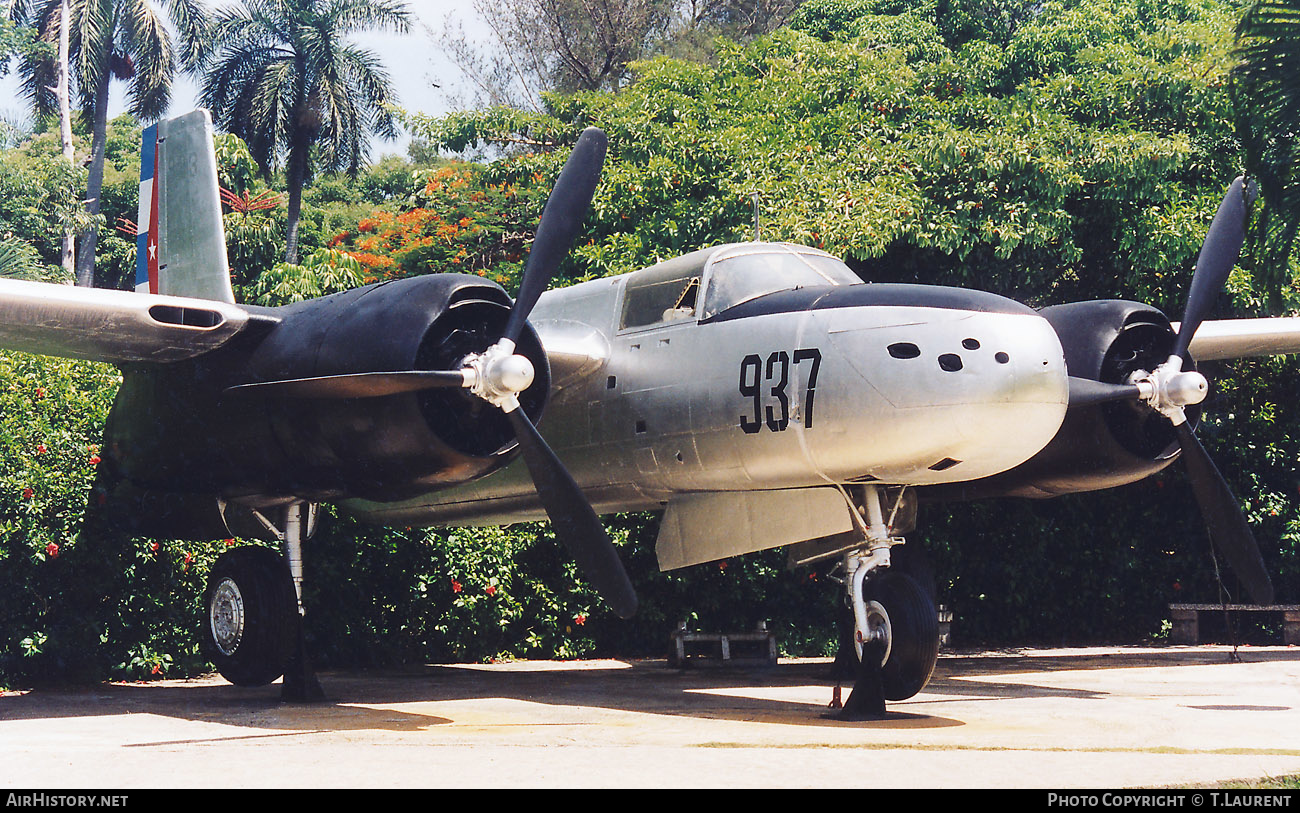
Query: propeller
pixel 1086 392
pixel 354 385
pixel 1218 255
pixel 1168 389
pixel 498 375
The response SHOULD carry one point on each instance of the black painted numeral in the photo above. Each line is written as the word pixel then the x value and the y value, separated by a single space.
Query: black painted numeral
pixel 775 414
pixel 815 356
pixel 782 359
pixel 750 371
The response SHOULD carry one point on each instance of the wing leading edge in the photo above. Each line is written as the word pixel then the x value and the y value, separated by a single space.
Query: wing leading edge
pixel 1238 338
pixel 114 326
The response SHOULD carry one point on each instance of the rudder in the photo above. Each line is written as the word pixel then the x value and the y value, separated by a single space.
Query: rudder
pixel 181 244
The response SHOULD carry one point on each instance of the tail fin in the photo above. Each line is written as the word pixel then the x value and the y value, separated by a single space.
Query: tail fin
pixel 181 245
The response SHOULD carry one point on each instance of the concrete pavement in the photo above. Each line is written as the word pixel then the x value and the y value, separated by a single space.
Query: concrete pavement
pixel 1060 718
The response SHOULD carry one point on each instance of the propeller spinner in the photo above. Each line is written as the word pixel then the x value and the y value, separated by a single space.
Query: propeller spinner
pixel 498 375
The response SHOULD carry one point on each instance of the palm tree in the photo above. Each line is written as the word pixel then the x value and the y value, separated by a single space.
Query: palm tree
pixel 280 75
pixel 55 27
pixel 1266 86
pixel 111 39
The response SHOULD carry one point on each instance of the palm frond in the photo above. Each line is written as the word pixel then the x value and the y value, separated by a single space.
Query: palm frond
pixel 1266 92
pixel 18 260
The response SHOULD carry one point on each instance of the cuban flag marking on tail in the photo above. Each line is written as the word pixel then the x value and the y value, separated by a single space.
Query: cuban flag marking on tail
pixel 146 240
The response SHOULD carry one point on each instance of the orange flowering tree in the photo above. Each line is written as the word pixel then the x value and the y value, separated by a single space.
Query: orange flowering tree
pixel 464 218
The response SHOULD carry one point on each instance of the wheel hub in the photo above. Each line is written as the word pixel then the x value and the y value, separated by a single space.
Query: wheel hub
pixel 878 628
pixel 226 616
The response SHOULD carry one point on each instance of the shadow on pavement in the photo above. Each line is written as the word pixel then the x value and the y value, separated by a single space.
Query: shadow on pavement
pixel 643 686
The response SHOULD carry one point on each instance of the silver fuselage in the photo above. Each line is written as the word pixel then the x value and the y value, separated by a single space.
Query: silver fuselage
pixel 904 385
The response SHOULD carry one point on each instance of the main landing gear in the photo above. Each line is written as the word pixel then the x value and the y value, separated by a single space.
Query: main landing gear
pixel 253 611
pixel 895 640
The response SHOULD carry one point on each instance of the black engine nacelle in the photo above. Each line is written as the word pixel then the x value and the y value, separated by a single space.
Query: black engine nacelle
pixel 174 429
pixel 1103 445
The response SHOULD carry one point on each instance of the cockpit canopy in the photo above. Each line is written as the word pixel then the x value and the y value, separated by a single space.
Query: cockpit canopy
pixel 726 276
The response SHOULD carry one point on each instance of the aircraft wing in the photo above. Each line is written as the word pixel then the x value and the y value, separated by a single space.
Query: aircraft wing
pixel 1236 338
pixel 113 326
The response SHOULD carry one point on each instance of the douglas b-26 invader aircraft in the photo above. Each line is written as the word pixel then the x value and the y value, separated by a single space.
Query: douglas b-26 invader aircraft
pixel 758 394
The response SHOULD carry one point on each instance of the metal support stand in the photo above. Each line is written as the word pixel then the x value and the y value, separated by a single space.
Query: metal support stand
pixel 867 700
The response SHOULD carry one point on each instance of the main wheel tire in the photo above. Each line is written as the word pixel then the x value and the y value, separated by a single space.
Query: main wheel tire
pixel 250 612
pixel 896 603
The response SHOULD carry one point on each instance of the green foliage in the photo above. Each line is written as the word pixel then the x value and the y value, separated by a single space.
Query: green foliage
pixel 40 195
pixel 401 595
pixel 326 271
pixel 874 24
pixel 1267 89
pixel 254 243
pixel 18 260
pixel 19 42
pixel 286 78
pixel 77 602
pixel 456 218
pixel 1095 176
pixel 237 170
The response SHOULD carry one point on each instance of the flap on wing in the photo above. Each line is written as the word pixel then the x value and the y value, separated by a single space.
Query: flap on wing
pixel 1237 338
pixel 114 326
pixel 700 528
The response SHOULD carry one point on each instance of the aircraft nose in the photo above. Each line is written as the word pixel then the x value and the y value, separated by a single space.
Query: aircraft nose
pixel 953 358
pixel 956 393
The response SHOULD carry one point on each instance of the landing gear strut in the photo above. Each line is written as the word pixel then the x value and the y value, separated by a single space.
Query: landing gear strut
pixel 895 626
pixel 253 621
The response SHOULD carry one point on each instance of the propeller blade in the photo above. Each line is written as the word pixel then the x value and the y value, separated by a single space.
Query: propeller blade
pixel 1218 255
pixel 576 524
pixel 353 385
pixel 561 218
pixel 1229 532
pixel 1086 392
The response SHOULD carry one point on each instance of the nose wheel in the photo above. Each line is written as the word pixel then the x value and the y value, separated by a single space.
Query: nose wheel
pixel 895 640
pixel 896 648
pixel 901 616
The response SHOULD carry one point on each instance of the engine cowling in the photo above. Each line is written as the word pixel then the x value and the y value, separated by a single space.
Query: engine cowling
pixel 1102 445
pixel 197 439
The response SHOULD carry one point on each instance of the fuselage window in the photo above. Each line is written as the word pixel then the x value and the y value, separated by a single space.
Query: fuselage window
pixel 654 302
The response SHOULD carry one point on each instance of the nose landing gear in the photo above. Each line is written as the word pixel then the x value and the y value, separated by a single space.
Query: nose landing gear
pixel 895 624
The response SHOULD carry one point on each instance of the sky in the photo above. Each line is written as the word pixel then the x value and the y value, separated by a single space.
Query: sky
pixel 412 59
